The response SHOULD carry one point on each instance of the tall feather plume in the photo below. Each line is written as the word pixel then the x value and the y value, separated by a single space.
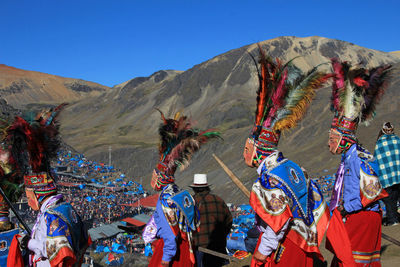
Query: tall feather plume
pixel 377 81
pixel 356 90
pixel 338 83
pixel 179 140
pixel 263 92
pixel 301 93
pixel 182 153
pixel 33 143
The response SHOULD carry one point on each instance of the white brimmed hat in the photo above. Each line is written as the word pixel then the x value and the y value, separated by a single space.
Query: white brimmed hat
pixel 199 180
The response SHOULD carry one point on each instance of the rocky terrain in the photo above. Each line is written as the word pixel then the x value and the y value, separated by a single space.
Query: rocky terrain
pixel 219 93
pixel 20 87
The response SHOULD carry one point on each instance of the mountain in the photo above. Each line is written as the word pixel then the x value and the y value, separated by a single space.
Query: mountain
pixel 219 93
pixel 20 87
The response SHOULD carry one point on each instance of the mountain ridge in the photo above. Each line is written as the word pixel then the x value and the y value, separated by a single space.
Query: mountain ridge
pixel 218 93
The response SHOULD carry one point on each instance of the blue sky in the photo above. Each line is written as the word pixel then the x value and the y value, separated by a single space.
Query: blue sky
pixel 112 41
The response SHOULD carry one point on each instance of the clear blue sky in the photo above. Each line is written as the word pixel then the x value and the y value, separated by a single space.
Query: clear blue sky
pixel 112 41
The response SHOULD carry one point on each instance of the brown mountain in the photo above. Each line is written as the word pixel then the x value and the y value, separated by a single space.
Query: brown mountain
pixel 21 87
pixel 218 93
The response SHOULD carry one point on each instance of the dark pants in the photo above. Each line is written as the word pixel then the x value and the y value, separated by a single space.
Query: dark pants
pixel 391 203
pixel 207 260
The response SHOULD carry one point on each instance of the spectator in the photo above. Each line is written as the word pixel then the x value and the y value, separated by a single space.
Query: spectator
pixel 387 154
pixel 215 222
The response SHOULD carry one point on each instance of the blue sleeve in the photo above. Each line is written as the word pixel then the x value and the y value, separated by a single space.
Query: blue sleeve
pixel 351 191
pixel 164 231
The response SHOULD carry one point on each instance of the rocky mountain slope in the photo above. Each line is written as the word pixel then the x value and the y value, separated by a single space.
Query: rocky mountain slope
pixel 219 93
pixel 20 87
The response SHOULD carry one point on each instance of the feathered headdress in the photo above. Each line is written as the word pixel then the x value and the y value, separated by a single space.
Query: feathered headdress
pixel 178 142
pixel 33 140
pixel 355 94
pixel 283 97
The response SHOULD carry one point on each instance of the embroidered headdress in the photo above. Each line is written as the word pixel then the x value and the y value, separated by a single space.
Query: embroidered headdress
pixel 355 94
pixel 283 97
pixel 178 142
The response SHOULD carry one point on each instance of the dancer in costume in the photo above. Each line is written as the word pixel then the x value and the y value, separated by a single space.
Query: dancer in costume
pixel 58 236
pixel 176 217
pixel 290 210
pixel 11 183
pixel 354 233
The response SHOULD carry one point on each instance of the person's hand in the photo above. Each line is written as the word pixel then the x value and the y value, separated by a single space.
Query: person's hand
pixel 164 263
pixel 259 257
pixel 342 210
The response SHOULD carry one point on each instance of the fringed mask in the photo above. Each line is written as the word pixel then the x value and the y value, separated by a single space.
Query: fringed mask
pixel 260 145
pixel 159 178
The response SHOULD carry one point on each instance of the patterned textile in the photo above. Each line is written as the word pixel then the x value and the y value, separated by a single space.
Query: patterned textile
pixel 58 235
pixel 215 221
pixel 284 192
pixel 64 224
pixel 182 222
pixel 387 154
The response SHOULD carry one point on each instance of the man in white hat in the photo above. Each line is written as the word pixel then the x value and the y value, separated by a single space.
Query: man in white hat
pixel 215 222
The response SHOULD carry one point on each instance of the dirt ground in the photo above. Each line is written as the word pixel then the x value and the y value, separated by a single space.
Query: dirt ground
pixel 390 253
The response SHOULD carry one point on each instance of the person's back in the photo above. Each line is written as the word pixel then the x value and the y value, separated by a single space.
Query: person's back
pixel 215 223
pixel 387 155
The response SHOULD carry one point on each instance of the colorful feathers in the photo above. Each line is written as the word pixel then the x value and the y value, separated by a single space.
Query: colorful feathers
pixel 356 91
pixel 284 93
pixel 179 141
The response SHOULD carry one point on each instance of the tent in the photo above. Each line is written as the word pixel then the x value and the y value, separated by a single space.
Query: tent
pixel 148 202
pixel 138 220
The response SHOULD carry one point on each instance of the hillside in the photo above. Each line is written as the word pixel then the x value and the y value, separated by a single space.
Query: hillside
pixel 20 87
pixel 219 93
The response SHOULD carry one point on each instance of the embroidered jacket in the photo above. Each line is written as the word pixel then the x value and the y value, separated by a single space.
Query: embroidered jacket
pixel 284 195
pixel 176 216
pixel 361 186
pixel 58 235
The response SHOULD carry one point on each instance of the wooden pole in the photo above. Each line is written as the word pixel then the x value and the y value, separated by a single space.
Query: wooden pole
pixel 233 177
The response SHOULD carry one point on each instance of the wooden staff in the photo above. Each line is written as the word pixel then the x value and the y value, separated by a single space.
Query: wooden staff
pixel 233 177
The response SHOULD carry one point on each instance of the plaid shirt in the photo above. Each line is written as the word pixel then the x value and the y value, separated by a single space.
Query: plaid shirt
pixel 215 221
pixel 387 154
